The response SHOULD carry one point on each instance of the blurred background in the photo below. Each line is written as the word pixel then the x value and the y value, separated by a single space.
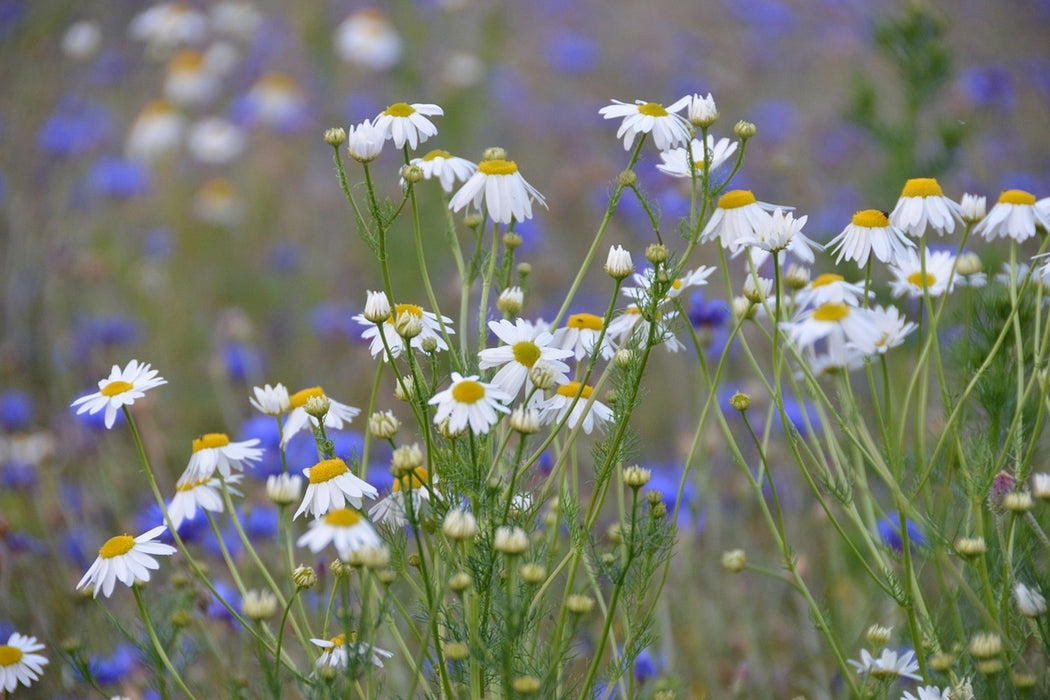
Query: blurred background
pixel 165 194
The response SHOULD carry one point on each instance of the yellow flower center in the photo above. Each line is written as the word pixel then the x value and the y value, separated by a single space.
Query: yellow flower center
pixel 585 321
pixel 677 284
pixel 916 279
pixel 327 470
pixel 573 389
pixel 277 81
pixel 826 279
pixel 437 154
pixel 338 640
pixel 734 199
pixel 1017 197
pixel 652 109
pixel 343 517
pixel 9 655
pixel 400 109
pixel 416 479
pixel 300 397
pixel 190 485
pixel 468 391
pixel 209 441
pixel 115 388
pixel 497 167
pixel 871 218
pixel 116 546
pixel 922 187
pixel 831 312
pixel 412 309
pixel 526 352
pixel 187 61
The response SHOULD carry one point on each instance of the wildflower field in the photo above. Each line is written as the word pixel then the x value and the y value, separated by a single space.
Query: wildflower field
pixel 470 349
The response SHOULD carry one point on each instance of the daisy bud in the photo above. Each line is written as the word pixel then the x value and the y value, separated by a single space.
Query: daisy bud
pixel 985 645
pixel 532 572
pixel 744 130
pixel 973 207
pixel 968 264
pixel 1030 602
pixel 614 533
pixel 387 576
pixel 510 301
pixel 494 153
pixel 413 560
pixel 623 357
pixel 284 489
pixel 619 264
pixel 445 430
pixel 525 420
pixel 340 568
pixel 404 389
pixel 1041 486
pixel 259 605
pixel 757 290
pixel 878 635
pixel 181 619
pixel 383 425
pixel 317 406
pixel 456 651
pixel 524 269
pixel 364 142
pixel 796 277
pixel 526 685
pixel 512 240
pixel 460 581
pixel 459 525
pixel 473 220
pixel 626 178
pixel 740 401
pixel 405 460
pixel 941 662
pixel 970 547
pixel 377 307
pixel 742 309
pixel 335 137
pixel 658 510
pixel 1017 501
pixel 428 345
pixel 510 540
pixel 734 560
pixel 579 604
pixel 304 577
pixel 636 477
pixel 656 253
pixel 408 325
pixel 1022 680
pixel 542 375
pixel 702 111
pixel 654 497
pixel 375 558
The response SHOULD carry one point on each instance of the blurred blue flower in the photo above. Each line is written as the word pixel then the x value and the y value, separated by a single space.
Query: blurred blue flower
pixel 359 106
pixel 703 313
pixel 264 429
pixel 890 532
pixel 285 256
pixel 777 120
pixel 989 85
pixel 646 666
pixel 23 542
pixel 16 411
pixel 666 479
pixel 158 244
pixel 217 610
pixel 797 412
pixel 568 51
pixel 259 523
pixel 102 332
pixel 111 66
pixel 76 127
pixel 532 236
pixel 116 667
pixel 243 362
pixel 77 549
pixel 334 319
pixel 769 17
pixel 18 476
pixel 111 176
pixel 151 516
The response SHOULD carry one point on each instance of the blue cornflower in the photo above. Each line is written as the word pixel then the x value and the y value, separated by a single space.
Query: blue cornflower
pixel 118 178
pixel 571 52
pixel 16 411
pixel 76 127
pixel 890 532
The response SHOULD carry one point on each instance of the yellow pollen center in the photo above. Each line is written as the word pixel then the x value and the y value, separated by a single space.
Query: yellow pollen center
pixel 677 284
pixel 826 279
pixel 468 391
pixel 871 218
pixel 343 517
pixel 633 311
pixel 436 154
pixel 413 309
pixel 338 640
pixel 117 387
pixel 916 279
pixel 327 470
pixel 277 81
pixel 734 199
pixel 572 389
pixel 300 397
pixel 187 61
pixel 414 480
pixel 831 312
pixel 190 485
pixel 400 109
pixel 652 109
pixel 497 167
pixel 587 321
pixel 526 352
pixel 922 187
pixel 210 440
pixel 116 546
pixel 1017 197
pixel 9 655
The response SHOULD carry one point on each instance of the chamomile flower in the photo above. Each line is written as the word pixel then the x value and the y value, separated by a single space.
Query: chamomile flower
pixel 339 414
pixel 580 334
pixel 368 38
pixel 644 283
pixel 888 664
pixel 337 653
pixel 870 232
pixel 331 485
pixel 687 162
pixel 564 403
pixel 632 324
pixel 407 123
pixel 928 692
pixel 190 81
pixel 891 330
pixel 498 185
pixel 911 280
pixel 214 452
pixel 19 662
pixel 736 217
pixel 126 559
pixel 192 493
pixel 376 333
pixel 156 131
pixel 469 402
pixel 669 129
pixel 271 400
pixel 445 168
pixel 122 388
pixel 345 528
pixel 1013 216
pixel 780 231
pixel 830 287
pixel 525 344
pixel 842 322
pixel 167 25
pixel 364 142
pixel 411 488
pixel 923 205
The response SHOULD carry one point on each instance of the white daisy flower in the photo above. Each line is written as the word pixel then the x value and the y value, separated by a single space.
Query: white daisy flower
pixel 445 168
pixel 928 692
pixel 580 334
pixel 830 287
pixel 368 38
pixel 842 322
pixel 214 451
pixel 973 207
pixel 737 216
pixel 364 142
pixel 923 205
pixel 156 131
pixel 345 528
pixel 644 282
pixel 669 129
pixel 216 141
pixel 1030 602
pixel 19 664
pixel 702 110
pixel 909 280
pixel 192 493
pixel 122 388
pixel 169 24
pixel 837 356
pixel 889 663
pixel 271 400
pixel 891 330
pixel 870 231
pixel 332 485
pixel 407 123
pixel 339 414
pixel 126 559
pixel 190 82
pixel 776 232
pixel 469 402
pixel 554 409
pixel 1013 216
pixel 393 509
pixel 683 162
pixel 631 324
pixel 505 193
pixel 428 320
pixel 336 653
pixel 524 345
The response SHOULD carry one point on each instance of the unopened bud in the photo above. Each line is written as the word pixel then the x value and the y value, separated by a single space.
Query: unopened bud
pixel 405 388
pixel 740 401
pixel 879 635
pixel 335 136
pixel 970 547
pixel 636 477
pixel 734 560
pixel 542 375
pixel 317 406
pixel 744 130
pixel 304 577
pixel 473 220
pixel 405 460
pixel 525 420
pixel 626 178
pixel 411 173
pixel 532 572
pixel 510 540
pixel 526 685
pixel 494 153
pixel 383 425
pixel 456 651
pixel 579 604
pixel 460 581
pixel 619 264
pixel 459 525
pixel 377 307
pixel 259 605
pixel 510 301
pixel 408 325
pixel 656 253
pixel 429 344
pixel 512 240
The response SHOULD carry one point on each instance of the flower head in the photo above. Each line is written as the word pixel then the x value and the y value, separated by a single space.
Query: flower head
pixel 737 216
pixel 702 110
pixel 891 330
pixel 346 528
pixel 689 162
pixel 407 123
pixel 914 278
pixel 18 662
pixel 469 402
pixel 835 320
pixel 1030 602
pixel 364 142
pixel 923 205
pixel 928 692
pixel 776 232
pixel 377 332
pixel 669 129
pixel 368 38
pixel 271 400
pixel 888 664
pixel 126 559
pixel 214 451
pixel 870 232
pixel 580 334
pixel 410 489
pixel 192 493
pixel 830 287
pixel 337 653
pixel 331 484
pixel 122 388
pixel 445 168
pixel 525 344
pixel 574 400
pixel 338 414
pixel 500 187
pixel 1013 216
